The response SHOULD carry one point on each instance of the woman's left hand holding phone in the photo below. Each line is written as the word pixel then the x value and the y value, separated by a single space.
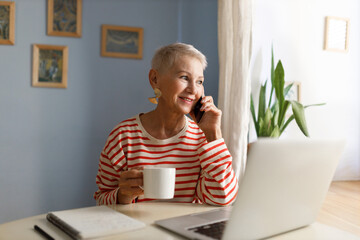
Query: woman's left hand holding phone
pixel 129 185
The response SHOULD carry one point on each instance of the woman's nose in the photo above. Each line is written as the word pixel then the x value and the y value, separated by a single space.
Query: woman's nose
pixel 191 88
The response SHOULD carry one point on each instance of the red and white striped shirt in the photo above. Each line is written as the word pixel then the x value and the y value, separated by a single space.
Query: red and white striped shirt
pixel 204 171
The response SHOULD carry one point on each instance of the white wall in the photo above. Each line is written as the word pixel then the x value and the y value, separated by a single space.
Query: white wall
pixel 296 30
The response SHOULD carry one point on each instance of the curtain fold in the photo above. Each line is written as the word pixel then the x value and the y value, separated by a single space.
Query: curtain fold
pixel 234 46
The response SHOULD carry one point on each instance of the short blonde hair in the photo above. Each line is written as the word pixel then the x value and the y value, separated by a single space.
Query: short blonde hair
pixel 165 56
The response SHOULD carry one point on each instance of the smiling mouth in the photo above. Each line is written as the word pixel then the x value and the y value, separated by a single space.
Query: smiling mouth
pixel 189 100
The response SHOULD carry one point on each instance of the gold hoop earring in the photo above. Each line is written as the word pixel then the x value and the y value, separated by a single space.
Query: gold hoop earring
pixel 157 94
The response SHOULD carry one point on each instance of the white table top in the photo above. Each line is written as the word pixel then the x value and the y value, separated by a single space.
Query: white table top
pixel 150 212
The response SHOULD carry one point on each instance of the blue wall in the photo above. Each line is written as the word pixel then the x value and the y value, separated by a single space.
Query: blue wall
pixel 50 139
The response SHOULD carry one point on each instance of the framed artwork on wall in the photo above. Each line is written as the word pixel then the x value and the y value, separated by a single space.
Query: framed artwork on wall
pixel 64 18
pixel 7 22
pixel 121 41
pixel 336 34
pixel 50 65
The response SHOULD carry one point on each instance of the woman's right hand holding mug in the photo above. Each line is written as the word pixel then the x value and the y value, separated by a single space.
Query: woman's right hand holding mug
pixel 129 185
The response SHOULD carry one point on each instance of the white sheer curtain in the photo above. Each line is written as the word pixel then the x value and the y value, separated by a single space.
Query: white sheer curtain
pixel 234 36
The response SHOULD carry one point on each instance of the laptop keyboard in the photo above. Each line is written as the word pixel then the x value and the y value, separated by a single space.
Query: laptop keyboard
pixel 213 230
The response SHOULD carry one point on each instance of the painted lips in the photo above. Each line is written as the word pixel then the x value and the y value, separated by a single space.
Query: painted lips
pixel 189 100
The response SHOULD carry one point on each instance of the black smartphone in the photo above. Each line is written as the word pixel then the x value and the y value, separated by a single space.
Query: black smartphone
pixel 197 112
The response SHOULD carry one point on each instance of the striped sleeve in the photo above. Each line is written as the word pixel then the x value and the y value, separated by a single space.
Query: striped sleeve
pixel 112 162
pixel 217 184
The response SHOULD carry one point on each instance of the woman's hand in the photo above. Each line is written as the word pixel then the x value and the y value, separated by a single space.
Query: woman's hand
pixel 210 122
pixel 129 185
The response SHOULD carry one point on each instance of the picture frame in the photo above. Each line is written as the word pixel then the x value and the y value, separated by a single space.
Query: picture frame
pixel 336 34
pixel 64 18
pixel 50 66
pixel 122 41
pixel 294 92
pixel 7 23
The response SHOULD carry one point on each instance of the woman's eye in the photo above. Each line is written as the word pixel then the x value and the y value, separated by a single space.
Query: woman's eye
pixel 184 77
pixel 200 82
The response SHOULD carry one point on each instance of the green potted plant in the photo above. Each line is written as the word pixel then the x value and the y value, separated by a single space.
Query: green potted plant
pixel 272 120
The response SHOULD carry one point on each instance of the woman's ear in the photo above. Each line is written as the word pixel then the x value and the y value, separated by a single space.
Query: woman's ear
pixel 153 78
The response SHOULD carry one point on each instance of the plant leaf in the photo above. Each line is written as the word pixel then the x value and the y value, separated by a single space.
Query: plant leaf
pixel 274 105
pixel 267 122
pixel 287 89
pixel 275 133
pixel 252 109
pixel 262 101
pixel 279 84
pixel 292 116
pixel 287 123
pixel 275 111
pixel 282 113
pixel 261 128
pixel 313 105
pixel 299 114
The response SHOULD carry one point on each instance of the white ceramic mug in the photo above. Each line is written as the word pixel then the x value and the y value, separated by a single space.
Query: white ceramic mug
pixel 159 183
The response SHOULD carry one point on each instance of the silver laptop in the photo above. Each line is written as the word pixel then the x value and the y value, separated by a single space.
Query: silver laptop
pixel 283 188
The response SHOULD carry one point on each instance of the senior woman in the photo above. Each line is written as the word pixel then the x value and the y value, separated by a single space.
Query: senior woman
pixel 166 137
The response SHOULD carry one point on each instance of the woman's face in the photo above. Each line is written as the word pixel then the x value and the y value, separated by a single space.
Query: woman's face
pixel 181 85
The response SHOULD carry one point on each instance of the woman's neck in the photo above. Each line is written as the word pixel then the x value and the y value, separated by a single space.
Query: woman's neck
pixel 162 124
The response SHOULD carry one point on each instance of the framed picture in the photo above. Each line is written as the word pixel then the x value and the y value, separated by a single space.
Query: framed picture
pixel 294 92
pixel 336 34
pixel 7 22
pixel 50 65
pixel 122 42
pixel 64 18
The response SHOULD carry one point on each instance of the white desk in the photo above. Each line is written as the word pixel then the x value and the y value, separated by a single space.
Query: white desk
pixel 150 212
